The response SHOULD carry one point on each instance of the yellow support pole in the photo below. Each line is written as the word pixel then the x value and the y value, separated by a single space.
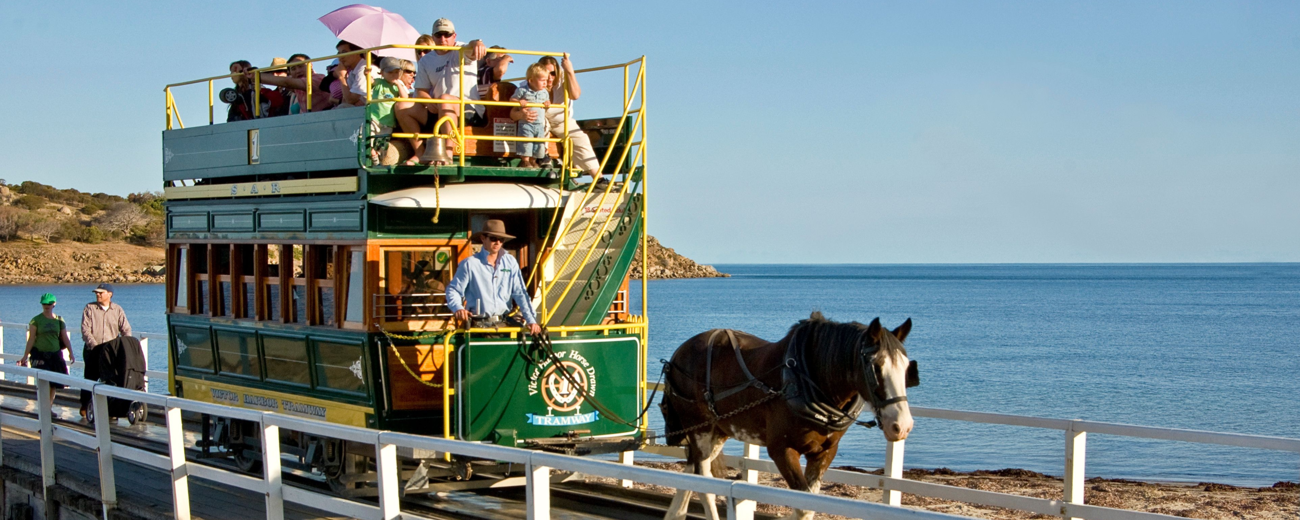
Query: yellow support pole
pixel 210 102
pixel 460 87
pixel 645 232
pixel 167 102
pixel 309 78
pixel 257 93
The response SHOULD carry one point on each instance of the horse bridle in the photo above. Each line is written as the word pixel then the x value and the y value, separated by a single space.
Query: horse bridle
pixel 873 381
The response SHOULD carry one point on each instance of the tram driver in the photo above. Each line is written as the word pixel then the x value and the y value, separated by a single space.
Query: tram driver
pixel 486 283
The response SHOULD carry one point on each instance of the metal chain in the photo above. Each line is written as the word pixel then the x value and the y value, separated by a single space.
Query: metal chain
pixel 719 418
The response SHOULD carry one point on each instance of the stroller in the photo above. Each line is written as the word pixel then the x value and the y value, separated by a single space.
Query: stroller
pixel 121 363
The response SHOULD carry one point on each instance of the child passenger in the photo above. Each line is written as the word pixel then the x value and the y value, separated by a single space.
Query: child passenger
pixel 535 90
pixel 391 85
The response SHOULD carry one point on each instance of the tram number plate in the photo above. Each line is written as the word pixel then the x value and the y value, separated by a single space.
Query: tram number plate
pixel 254 147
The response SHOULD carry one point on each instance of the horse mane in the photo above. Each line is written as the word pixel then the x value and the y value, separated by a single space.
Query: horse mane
pixel 835 345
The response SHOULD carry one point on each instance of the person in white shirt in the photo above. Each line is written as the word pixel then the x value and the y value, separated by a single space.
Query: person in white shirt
pixel 584 157
pixel 437 78
pixel 355 64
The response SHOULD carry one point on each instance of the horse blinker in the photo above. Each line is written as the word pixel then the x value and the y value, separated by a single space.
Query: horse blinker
pixel 913 375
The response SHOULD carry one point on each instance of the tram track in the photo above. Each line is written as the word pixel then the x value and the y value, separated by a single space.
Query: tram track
pixel 571 500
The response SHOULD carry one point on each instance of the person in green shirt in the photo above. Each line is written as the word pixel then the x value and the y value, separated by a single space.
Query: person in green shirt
pixel 380 115
pixel 47 336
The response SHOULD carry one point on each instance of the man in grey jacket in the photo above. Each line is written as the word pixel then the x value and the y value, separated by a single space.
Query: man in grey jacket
pixel 102 321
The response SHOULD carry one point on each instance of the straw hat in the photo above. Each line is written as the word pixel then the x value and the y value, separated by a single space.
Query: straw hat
pixel 496 228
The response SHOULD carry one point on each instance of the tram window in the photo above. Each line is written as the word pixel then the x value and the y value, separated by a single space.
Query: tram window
pixel 242 275
pixel 194 348
pixel 272 282
pixel 238 353
pixel 339 366
pixel 182 279
pixel 286 359
pixel 202 304
pixel 415 281
pixel 221 279
pixel 320 278
pixel 356 299
pixel 298 291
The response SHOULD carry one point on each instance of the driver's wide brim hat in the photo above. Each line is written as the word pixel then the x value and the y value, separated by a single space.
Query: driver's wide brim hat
pixel 496 228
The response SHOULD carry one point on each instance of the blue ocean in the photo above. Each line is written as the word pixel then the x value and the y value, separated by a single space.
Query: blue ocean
pixel 1199 346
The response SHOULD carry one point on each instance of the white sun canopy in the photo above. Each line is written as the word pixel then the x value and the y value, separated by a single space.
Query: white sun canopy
pixel 473 196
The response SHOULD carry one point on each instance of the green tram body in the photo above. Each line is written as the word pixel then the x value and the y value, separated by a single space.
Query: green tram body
pixel 258 206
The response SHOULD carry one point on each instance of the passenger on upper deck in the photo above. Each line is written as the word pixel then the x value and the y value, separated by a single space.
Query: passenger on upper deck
pixel 488 281
pixel 295 85
pixel 584 157
pixel 437 78
pixel 241 97
pixel 534 90
pixel 355 64
pixel 492 68
pixel 392 85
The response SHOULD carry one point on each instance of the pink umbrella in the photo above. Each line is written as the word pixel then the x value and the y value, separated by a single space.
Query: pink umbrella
pixel 369 26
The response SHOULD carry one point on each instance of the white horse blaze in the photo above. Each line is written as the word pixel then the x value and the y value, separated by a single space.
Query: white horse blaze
pixel 894 372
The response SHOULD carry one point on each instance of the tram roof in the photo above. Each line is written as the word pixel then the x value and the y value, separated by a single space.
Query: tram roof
pixel 485 196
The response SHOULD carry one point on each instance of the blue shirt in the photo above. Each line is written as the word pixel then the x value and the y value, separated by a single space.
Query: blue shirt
pixel 488 289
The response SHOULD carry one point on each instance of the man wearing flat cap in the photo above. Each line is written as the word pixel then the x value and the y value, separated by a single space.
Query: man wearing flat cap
pixel 485 283
pixel 101 322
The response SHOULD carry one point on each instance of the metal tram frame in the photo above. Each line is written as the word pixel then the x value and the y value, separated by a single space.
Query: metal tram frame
pixel 299 275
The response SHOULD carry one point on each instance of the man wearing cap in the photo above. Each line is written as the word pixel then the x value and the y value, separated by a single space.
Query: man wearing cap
pixel 439 77
pixel 101 322
pixel 485 283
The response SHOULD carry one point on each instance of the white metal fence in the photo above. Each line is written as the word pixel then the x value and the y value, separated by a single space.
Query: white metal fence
pixel 739 496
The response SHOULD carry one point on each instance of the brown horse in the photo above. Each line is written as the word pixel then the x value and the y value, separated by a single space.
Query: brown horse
pixel 796 396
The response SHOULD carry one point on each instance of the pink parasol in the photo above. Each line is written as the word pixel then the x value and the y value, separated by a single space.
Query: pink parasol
pixel 368 26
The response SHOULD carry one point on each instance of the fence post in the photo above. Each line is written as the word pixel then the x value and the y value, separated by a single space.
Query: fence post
pixel 1076 447
pixel 390 506
pixel 744 509
pixel 47 433
pixel 626 458
pixel 893 469
pixel 107 481
pixel 538 492
pixel 180 472
pixel 271 471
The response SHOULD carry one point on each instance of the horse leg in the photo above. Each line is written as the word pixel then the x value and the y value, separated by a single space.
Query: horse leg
pixel 701 449
pixel 812 474
pixel 787 462
pixel 711 450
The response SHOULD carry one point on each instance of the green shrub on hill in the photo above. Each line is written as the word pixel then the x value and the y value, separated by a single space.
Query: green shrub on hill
pixel 31 202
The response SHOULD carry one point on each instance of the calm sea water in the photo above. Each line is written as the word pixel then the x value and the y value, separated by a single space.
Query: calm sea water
pixel 1208 347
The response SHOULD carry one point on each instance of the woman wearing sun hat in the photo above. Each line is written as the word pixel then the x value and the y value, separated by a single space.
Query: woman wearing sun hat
pixel 47 336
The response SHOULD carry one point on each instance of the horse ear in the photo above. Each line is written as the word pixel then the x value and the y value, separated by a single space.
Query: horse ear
pixel 873 329
pixel 901 332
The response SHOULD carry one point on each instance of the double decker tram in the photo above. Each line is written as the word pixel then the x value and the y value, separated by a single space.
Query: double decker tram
pixel 305 276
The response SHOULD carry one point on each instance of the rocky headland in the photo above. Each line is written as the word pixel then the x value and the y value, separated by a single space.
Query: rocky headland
pixel 666 263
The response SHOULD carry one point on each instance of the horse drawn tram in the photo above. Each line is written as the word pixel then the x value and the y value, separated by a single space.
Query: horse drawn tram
pixel 307 269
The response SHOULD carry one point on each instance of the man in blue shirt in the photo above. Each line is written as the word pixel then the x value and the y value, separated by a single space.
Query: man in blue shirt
pixel 485 283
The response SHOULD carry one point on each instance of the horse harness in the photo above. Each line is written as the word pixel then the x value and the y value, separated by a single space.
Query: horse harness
pixel 801 393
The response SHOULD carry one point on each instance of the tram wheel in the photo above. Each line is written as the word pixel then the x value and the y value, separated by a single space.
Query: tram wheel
pixel 247 460
pixel 138 413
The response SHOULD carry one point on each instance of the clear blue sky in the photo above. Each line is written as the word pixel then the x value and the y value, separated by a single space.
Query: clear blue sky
pixel 850 132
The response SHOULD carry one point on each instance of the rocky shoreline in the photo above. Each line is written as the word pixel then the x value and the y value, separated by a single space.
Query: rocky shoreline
pixel 665 263
pixel 23 262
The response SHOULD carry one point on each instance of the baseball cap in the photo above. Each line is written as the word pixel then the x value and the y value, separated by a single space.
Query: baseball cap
pixel 104 287
pixel 443 25
pixel 390 64
pixel 47 299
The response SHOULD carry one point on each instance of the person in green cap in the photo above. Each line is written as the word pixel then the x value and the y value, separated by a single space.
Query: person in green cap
pixel 47 336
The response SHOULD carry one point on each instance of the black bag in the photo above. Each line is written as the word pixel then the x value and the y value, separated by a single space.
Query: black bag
pixel 121 363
